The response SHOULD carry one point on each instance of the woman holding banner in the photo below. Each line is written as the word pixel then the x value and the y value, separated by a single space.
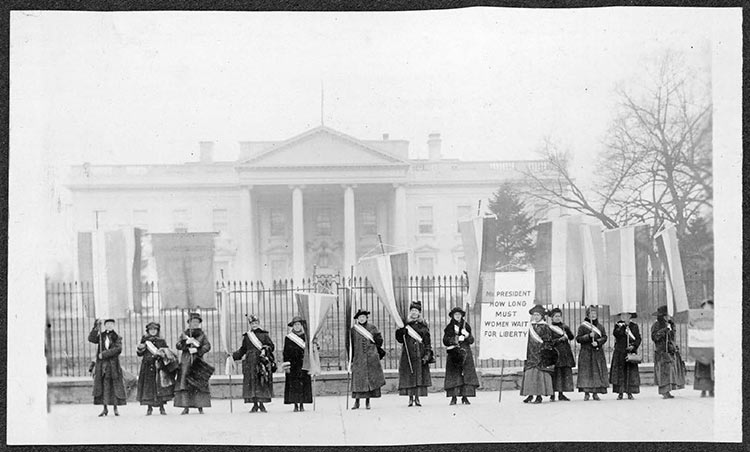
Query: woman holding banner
pixel 192 389
pixel 592 364
pixel 257 367
pixel 109 388
pixel 460 373
pixel 537 372
pixel 669 369
pixel 416 356
pixel 298 385
pixel 562 378
pixel 367 351
pixel 151 391
pixel 623 374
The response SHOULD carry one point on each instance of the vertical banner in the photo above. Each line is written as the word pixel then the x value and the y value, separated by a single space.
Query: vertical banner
pixel 701 335
pixel 313 307
pixel 594 274
pixel 507 298
pixel 185 263
pixel 626 269
pixel 559 261
pixel 400 280
pixel 379 272
pixel 471 239
pixel 669 254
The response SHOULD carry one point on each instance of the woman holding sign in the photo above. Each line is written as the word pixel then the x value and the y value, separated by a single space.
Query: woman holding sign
pixel 151 390
pixel 592 364
pixel 562 379
pixel 258 365
pixel 537 372
pixel 623 373
pixel 460 373
pixel 298 385
pixel 367 351
pixel 416 356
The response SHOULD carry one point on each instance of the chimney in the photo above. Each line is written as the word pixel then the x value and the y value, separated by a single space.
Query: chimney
pixel 385 137
pixel 206 152
pixel 433 143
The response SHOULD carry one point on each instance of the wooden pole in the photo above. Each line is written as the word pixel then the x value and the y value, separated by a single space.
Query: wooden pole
pixel 313 392
pixel 502 371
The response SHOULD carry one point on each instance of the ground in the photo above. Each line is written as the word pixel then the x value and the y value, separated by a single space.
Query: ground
pixel 687 417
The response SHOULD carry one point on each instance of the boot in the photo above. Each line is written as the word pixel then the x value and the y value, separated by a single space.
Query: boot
pixel 356 404
pixel 200 410
pixel 114 408
pixel 367 403
pixel 668 396
pixel 149 410
pixel 453 400
pixel 162 411
pixel 254 409
pixel 416 401
pixel 552 398
pixel 465 401
pixel 104 412
pixel 411 400
pixel 528 399
pixel 301 407
pixel 703 393
pixel 596 396
pixel 619 396
pixel 538 399
pixel 586 396
pixel 262 408
pixel 185 411
pixel 711 393
pixel 296 408
pixel 561 397
pixel 630 396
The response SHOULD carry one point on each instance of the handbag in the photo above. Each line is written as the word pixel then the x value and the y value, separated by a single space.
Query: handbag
pixel 632 357
pixel 381 352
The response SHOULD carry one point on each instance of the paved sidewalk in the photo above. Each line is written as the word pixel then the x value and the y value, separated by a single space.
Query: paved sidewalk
pixel 648 418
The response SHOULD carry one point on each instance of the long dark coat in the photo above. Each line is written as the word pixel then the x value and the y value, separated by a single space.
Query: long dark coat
pixel 624 376
pixel 534 348
pixel 457 374
pixel 150 390
pixel 109 388
pixel 367 373
pixel 187 395
pixel 253 390
pixel 419 354
pixel 561 343
pixel 669 369
pixel 592 364
pixel 298 385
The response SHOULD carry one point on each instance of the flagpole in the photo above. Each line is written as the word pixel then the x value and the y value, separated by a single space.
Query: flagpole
pixel 222 325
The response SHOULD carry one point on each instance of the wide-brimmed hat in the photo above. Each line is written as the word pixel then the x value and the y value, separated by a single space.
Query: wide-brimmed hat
pixel 109 320
pixel 153 325
pixel 195 315
pixel 415 305
pixel 296 318
pixel 662 310
pixel 455 310
pixel 538 308
pixel 633 315
pixel 708 301
pixel 252 318
pixel 361 312
pixel 554 311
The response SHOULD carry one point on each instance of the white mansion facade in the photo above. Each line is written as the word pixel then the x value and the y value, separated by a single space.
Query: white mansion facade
pixel 318 199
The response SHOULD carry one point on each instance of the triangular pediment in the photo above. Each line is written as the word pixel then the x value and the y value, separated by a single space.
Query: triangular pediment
pixel 322 146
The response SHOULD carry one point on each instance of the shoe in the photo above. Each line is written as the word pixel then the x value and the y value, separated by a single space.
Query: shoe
pixel 416 401
pixel 114 408
pixel 296 408
pixel 185 411
pixel 356 405
pixel 301 407
pixel 411 400
pixel 104 412
pixel 528 399
pixel 703 393
pixel 710 393
pixel 367 404
pixel 562 398
pixel 586 397
pixel 596 396
pixel 667 396
pixel 538 399
pixel 630 396
pixel 262 408
pixel 453 401
pixel 254 409
pixel 162 411
pixel 619 396
pixel 200 410
pixel 552 398
pixel 149 411
pixel 465 401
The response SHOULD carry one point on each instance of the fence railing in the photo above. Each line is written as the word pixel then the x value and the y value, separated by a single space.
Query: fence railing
pixel 71 353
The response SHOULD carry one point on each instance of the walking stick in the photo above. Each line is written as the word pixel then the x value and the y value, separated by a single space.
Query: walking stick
pixel 502 371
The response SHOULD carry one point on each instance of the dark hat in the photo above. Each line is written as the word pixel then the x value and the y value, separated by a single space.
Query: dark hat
pixel 296 318
pixel 708 301
pixel 195 315
pixel 554 311
pixel 153 325
pixel 415 305
pixel 455 310
pixel 252 318
pixel 361 312
pixel 633 315
pixel 109 320
pixel 538 308
pixel 591 308
pixel 661 311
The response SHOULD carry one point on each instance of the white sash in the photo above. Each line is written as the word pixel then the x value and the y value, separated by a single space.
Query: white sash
pixel 557 329
pixel 297 340
pixel 151 347
pixel 363 331
pixel 592 328
pixel 254 339
pixel 414 335
pixel 630 335
pixel 534 335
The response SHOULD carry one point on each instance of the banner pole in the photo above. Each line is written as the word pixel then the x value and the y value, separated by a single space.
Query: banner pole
pixel 502 371
pixel 313 392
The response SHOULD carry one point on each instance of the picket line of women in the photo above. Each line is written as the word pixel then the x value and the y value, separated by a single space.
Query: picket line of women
pixel 547 370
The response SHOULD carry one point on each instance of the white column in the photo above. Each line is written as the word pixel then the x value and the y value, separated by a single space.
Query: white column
pixel 350 242
pixel 298 235
pixel 381 219
pixel 399 216
pixel 248 251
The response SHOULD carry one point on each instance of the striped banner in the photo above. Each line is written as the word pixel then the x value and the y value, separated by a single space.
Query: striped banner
pixel 388 274
pixel 313 307
pixel 559 262
pixel 594 272
pixel 471 238
pixel 669 255
pixel 701 335
pixel 626 256
pixel 185 263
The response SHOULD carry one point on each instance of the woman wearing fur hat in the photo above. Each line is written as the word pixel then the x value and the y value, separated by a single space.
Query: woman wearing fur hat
pixel 109 388
pixel 151 392
pixel 192 388
pixel 592 364
pixel 624 375
pixel 669 369
pixel 416 356
pixel 367 373
pixel 704 373
pixel 258 365
pixel 562 379
pixel 537 378
pixel 460 373
pixel 298 385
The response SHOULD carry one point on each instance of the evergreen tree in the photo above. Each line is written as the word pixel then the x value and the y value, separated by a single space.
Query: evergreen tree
pixel 514 227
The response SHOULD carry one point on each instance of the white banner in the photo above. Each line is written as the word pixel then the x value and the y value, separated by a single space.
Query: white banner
pixel 504 328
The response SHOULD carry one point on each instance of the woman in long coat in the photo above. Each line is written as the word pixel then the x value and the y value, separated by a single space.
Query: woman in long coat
pixel 624 375
pixel 257 367
pixel 460 372
pixel 416 356
pixel 669 369
pixel 704 373
pixel 297 386
pixel 192 389
pixel 367 373
pixel 592 364
pixel 109 388
pixel 537 381
pixel 562 379
pixel 150 390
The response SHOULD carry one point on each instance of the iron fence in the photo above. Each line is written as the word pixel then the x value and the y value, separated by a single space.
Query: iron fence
pixel 71 353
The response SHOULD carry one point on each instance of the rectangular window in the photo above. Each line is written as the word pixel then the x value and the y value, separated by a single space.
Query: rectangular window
pixel 140 219
pixel 278 228
pixel 426 266
pixel 221 220
pixel 180 220
pixel 323 222
pixel 462 213
pixel 368 221
pixel 424 216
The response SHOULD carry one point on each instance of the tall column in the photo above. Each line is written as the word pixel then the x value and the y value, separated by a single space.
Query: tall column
pixel 381 219
pixel 350 241
pixel 399 215
pixel 298 235
pixel 248 250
